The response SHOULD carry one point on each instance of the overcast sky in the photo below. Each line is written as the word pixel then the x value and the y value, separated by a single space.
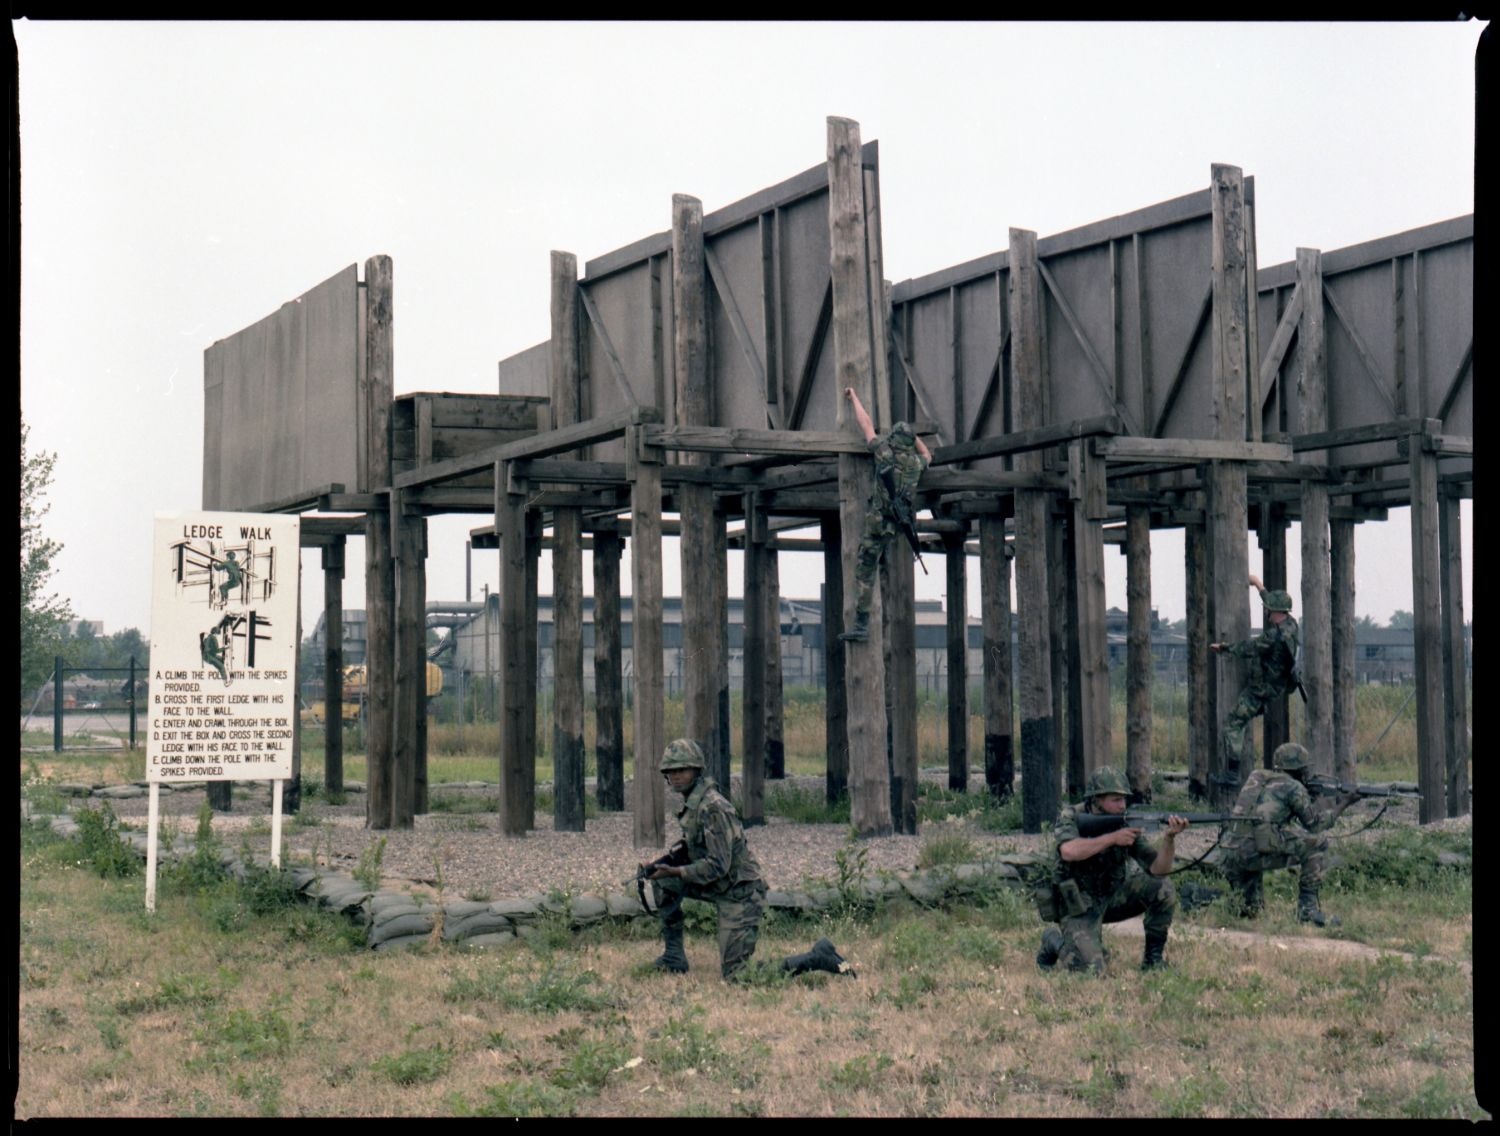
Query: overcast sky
pixel 181 181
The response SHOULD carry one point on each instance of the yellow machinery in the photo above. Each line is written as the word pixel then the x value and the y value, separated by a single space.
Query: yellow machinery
pixel 354 695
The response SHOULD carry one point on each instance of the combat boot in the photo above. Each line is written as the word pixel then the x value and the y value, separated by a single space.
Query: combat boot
pixel 1252 896
pixel 1052 945
pixel 822 956
pixel 673 960
pixel 860 632
pixel 1308 910
pixel 1156 943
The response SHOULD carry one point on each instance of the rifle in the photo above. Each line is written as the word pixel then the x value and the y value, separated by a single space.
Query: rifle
pixel 1100 824
pixel 674 857
pixel 905 521
pixel 1330 787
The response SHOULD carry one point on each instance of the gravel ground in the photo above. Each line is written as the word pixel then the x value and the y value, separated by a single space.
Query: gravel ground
pixel 474 859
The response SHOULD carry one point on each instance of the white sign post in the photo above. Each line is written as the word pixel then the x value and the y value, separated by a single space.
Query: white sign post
pixel 223 657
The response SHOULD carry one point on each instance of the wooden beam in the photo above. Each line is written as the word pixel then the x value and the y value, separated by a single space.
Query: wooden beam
pixel 1281 339
pixel 609 719
pixel 1426 583
pixel 1372 369
pixel 854 368
pixel 994 604
pixel 699 438
pixel 539 446
pixel 649 827
pixel 380 574
pixel 1026 440
pixel 1039 776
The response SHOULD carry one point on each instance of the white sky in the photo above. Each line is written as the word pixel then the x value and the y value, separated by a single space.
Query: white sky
pixel 182 180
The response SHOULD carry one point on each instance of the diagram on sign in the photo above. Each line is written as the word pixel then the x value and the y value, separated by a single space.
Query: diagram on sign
pixel 227 578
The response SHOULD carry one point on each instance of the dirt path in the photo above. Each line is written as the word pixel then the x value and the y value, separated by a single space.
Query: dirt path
pixel 1312 943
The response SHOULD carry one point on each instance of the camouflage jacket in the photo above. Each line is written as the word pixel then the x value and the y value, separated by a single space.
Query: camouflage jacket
pixel 1269 801
pixel 718 856
pixel 1098 877
pixel 902 463
pixel 1271 657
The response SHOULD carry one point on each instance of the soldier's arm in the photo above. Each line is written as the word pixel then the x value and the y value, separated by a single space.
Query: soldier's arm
pixel 718 838
pixel 860 415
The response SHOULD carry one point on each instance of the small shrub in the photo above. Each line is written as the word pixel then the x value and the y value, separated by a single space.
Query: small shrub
pixel 103 850
pixel 367 871
pixel 415 1066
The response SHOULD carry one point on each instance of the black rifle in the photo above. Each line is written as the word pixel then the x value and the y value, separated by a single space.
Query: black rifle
pixel 674 857
pixel 1330 787
pixel 1101 824
pixel 905 521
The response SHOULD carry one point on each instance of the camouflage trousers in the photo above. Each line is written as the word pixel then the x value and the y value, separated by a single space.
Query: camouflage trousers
pixel 1252 704
pixel 1083 940
pixel 739 910
pixel 1307 852
pixel 879 531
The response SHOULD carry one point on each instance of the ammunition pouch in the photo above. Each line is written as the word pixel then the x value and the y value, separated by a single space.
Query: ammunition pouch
pixel 1071 899
pixel 1044 895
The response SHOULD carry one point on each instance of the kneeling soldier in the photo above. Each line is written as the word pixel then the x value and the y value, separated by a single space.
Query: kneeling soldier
pixel 1098 880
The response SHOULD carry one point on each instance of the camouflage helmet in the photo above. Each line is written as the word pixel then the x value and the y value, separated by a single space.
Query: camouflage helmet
pixel 1290 756
pixel 902 434
pixel 1278 600
pixel 1105 780
pixel 684 753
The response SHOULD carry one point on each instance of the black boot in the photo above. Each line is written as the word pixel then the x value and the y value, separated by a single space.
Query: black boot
pixel 1252 896
pixel 1052 945
pixel 860 632
pixel 1308 910
pixel 673 959
pixel 1156 943
pixel 822 956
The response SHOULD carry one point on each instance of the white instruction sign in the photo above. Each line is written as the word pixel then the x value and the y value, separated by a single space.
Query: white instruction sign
pixel 223 702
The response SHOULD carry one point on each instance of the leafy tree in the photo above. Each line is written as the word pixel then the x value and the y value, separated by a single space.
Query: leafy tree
pixel 1402 621
pixel 44 616
pixel 1365 623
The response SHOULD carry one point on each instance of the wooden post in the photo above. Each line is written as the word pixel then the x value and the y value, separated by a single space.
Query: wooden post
pixel 775 765
pixel 1039 779
pixel 1455 673
pixel 609 721
pixel 648 793
pixel 721 637
pixel 1140 665
pixel 752 775
pixel 956 564
pixel 1067 709
pixel 835 702
pixel 530 672
pixel 1341 619
pixel 1317 631
pixel 411 667
pixel 567 565
pixel 419 754
pixel 700 643
pixel 1426 594
pixel 870 806
pixel 291 798
pixel 1272 537
pixel 1227 504
pixel 898 581
pixel 333 666
pixel 515 707
pixel 1203 760
pixel 567 671
pixel 1089 508
pixel 380 579
pixel 994 606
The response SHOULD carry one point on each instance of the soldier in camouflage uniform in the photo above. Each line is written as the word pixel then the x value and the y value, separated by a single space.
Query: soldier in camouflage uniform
pixel 900 456
pixel 720 869
pixel 1262 839
pixel 1271 669
pixel 1099 879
